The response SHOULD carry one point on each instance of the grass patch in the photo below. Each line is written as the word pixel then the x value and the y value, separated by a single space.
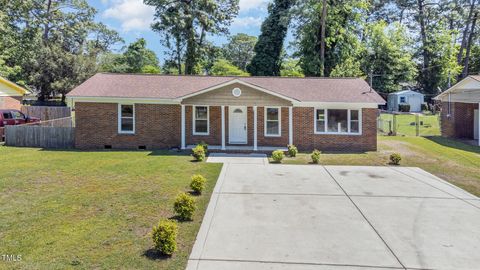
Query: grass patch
pixel 429 127
pixel 88 210
pixel 453 161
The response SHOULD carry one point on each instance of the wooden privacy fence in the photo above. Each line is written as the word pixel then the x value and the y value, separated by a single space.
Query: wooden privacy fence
pixel 40 136
pixel 46 112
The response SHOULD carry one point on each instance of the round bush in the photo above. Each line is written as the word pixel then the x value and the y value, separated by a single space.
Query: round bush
pixel 292 150
pixel 184 206
pixel 164 237
pixel 198 183
pixel 395 158
pixel 198 153
pixel 315 156
pixel 277 156
pixel 204 145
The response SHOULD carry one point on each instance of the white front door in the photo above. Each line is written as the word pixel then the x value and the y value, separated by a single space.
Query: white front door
pixel 237 125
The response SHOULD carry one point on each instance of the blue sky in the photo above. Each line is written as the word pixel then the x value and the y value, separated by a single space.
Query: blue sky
pixel 132 19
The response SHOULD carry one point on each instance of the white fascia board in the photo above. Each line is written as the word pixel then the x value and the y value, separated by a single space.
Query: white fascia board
pixel 336 105
pixel 123 100
pixel 239 82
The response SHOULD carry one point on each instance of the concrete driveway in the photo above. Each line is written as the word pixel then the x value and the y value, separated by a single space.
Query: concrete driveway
pixel 336 217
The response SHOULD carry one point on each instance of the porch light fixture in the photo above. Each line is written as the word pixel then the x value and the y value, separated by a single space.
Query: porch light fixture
pixel 236 92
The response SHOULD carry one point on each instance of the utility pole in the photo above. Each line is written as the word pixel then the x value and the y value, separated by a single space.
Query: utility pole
pixel 371 80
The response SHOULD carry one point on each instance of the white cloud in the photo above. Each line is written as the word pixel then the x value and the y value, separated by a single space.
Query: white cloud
pixel 132 14
pixel 250 4
pixel 247 21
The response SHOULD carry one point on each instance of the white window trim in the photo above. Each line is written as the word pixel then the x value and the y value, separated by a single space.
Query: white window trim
pixel 279 122
pixel 348 122
pixel 194 118
pixel 120 131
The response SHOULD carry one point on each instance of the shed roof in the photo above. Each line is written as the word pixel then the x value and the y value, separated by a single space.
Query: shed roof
pixel 348 90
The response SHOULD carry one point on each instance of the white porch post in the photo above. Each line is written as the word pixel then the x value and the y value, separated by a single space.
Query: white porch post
pixel 223 128
pixel 255 148
pixel 290 125
pixel 183 127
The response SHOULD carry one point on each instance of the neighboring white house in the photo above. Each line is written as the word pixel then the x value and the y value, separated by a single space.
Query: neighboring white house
pixel 412 98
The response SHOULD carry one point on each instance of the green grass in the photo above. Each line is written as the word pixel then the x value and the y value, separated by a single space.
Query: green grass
pixel 453 161
pixel 94 210
pixel 430 127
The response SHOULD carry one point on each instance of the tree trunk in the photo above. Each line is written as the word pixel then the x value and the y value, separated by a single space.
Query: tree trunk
pixel 46 29
pixel 322 38
pixel 423 33
pixel 190 55
pixel 463 44
pixel 469 46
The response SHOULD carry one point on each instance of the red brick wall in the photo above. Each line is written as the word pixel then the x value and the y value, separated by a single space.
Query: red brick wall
pixel 215 132
pixel 263 140
pixel 156 126
pixel 159 126
pixel 460 122
pixel 305 139
pixel 11 103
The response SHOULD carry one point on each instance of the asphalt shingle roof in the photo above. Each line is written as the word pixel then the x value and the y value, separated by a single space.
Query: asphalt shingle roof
pixel 350 90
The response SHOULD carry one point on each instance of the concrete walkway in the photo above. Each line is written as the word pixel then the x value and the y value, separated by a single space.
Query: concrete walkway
pixel 336 217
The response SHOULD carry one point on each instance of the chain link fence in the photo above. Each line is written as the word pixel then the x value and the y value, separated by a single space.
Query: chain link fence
pixel 408 124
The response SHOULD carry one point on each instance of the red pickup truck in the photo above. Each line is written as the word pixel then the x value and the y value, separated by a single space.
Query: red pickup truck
pixel 13 117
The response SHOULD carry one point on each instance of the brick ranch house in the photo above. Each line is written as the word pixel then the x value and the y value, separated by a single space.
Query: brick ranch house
pixel 11 94
pixel 460 109
pixel 131 111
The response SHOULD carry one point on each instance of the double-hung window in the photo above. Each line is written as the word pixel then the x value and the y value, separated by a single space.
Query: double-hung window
pixel 126 118
pixel 272 121
pixel 200 120
pixel 337 121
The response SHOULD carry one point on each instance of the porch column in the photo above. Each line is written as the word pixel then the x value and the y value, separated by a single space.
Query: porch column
pixel 223 127
pixel 255 148
pixel 290 125
pixel 183 127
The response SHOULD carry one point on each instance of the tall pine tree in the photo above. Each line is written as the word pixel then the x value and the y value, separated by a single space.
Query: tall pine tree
pixel 268 50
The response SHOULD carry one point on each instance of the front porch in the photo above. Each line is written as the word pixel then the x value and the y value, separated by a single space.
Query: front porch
pixel 240 148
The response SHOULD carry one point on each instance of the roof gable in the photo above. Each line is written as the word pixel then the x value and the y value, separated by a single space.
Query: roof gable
pixel 466 90
pixel 8 88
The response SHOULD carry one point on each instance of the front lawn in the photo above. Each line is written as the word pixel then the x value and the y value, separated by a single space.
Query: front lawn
pixel 94 210
pixel 453 161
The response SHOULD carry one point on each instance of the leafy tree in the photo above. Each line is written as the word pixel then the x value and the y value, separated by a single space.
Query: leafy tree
pixel 223 67
pixel 387 56
pixel 239 50
pixel 137 56
pixel 341 22
pixel 268 49
pixel 291 68
pixel 184 26
pixel 349 67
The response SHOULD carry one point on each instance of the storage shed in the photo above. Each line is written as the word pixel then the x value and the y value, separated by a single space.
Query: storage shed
pixel 410 97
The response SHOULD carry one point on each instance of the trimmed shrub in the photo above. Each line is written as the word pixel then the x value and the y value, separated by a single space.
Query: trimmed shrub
pixel 164 237
pixel 315 156
pixel 198 183
pixel 198 153
pixel 292 150
pixel 395 158
pixel 204 145
pixel 404 107
pixel 277 156
pixel 184 206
